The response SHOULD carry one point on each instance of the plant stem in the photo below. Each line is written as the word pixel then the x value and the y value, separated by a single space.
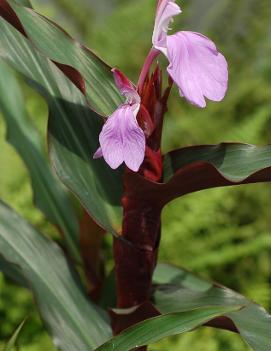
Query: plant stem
pixel 136 256
pixel 146 67
pixel 135 263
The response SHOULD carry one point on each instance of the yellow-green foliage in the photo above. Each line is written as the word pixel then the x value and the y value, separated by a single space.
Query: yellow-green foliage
pixel 223 234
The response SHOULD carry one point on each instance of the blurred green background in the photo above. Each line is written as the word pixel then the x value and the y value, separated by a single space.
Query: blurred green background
pixel 221 234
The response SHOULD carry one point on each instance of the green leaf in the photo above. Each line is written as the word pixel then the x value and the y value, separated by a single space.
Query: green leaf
pixel 12 342
pixel 183 291
pixel 73 130
pixel 49 196
pixel 234 162
pixel 254 325
pixel 13 272
pixel 195 168
pixel 58 46
pixel 154 329
pixel 25 3
pixel 202 167
pixel 73 321
pixel 108 298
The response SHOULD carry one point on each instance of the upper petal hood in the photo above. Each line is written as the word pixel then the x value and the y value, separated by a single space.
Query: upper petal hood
pixel 126 87
pixel 166 10
pixel 197 67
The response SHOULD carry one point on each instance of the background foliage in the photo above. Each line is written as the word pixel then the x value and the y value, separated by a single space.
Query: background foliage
pixel 223 234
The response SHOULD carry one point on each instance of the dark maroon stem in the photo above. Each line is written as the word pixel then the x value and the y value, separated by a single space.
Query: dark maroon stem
pixel 135 258
pixel 136 261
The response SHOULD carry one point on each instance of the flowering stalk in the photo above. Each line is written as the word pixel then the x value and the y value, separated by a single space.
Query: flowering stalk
pixel 146 68
pixel 136 261
pixel 136 257
pixel 132 134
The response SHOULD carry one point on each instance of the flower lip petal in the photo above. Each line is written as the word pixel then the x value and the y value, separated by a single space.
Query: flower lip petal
pixel 134 142
pixel 197 68
pixel 122 140
pixel 111 141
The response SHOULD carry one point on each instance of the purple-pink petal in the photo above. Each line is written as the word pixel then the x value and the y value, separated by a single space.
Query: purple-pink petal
pixel 98 153
pixel 197 68
pixel 122 140
pixel 166 10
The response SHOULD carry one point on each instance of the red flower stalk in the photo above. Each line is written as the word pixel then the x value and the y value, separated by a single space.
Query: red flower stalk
pixel 136 257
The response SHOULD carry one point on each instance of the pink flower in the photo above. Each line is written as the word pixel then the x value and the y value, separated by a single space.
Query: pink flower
pixel 196 66
pixel 121 139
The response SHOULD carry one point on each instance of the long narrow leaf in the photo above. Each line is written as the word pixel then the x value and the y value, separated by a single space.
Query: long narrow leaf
pixel 179 291
pixel 195 168
pixel 157 328
pixel 25 3
pixel 202 167
pixel 13 272
pixel 49 196
pixel 73 321
pixel 12 341
pixel 73 130
pixel 58 46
